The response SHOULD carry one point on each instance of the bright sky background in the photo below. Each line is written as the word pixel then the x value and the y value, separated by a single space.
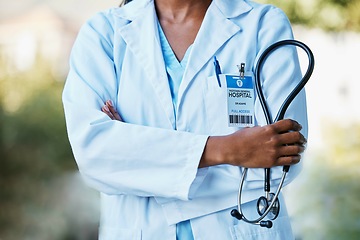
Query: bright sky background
pixel 333 90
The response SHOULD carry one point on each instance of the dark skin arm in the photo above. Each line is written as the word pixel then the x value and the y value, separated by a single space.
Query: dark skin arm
pixel 272 145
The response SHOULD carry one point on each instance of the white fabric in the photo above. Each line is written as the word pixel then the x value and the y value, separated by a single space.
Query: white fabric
pixel 145 170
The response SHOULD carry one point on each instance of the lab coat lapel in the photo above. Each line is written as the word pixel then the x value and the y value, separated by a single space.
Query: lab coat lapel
pixel 215 31
pixel 142 38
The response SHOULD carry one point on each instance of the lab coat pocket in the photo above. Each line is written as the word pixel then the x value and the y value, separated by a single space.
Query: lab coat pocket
pixel 281 230
pixel 215 98
pixel 113 233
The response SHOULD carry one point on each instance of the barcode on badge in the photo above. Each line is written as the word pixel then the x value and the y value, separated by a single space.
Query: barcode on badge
pixel 241 119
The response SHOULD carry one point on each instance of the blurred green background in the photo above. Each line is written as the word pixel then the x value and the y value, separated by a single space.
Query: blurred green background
pixel 41 193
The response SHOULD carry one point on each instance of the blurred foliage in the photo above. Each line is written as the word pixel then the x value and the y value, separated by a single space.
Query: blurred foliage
pixel 328 195
pixel 34 154
pixel 331 15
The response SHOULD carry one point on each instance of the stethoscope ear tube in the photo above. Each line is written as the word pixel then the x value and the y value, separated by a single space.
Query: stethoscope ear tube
pixel 295 91
pixel 237 213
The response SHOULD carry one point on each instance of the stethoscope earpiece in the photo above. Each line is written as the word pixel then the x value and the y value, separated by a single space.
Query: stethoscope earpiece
pixel 267 224
pixel 235 213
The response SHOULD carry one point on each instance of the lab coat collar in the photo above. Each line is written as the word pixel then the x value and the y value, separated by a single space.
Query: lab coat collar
pixel 133 10
pixel 142 38
pixel 232 8
pixel 217 28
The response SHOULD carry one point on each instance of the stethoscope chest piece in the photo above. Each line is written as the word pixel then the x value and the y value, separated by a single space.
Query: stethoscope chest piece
pixel 263 203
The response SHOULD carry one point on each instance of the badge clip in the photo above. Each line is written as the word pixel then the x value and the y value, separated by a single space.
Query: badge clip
pixel 241 68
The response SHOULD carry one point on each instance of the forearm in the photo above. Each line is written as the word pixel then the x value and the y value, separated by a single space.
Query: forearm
pixel 258 147
pixel 213 152
pixel 121 158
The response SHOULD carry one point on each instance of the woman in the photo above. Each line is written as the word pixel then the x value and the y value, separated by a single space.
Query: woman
pixel 170 168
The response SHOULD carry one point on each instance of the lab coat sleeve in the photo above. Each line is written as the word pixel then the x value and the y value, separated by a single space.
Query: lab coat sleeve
pixel 116 157
pixel 280 74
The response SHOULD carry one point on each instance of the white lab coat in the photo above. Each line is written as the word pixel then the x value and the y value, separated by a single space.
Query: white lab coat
pixel 146 167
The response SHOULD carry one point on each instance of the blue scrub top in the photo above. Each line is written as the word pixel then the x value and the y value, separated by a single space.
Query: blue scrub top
pixel 175 71
pixel 174 68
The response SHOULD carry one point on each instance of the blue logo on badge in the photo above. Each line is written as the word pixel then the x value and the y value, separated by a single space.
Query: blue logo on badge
pixel 239 83
pixel 233 81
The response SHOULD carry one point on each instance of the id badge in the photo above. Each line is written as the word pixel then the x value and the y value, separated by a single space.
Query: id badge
pixel 240 100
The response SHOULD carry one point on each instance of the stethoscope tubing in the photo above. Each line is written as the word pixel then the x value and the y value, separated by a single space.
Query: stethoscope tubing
pixel 295 91
pixel 280 115
pixel 268 209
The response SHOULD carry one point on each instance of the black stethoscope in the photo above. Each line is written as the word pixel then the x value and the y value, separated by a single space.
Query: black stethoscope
pixel 269 204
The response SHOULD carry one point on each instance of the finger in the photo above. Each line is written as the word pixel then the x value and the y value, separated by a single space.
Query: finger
pixel 111 108
pixel 291 150
pixel 292 138
pixel 106 110
pixel 286 125
pixel 113 111
pixel 288 160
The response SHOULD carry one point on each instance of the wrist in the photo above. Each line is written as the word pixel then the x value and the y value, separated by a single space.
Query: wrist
pixel 213 153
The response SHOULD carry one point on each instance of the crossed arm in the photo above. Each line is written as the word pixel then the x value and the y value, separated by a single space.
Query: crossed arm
pixel 272 145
